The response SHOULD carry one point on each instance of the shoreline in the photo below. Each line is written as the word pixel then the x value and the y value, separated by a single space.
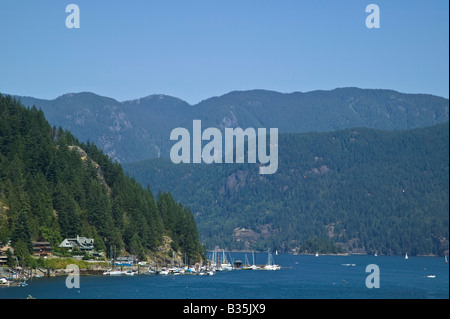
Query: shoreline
pixel 326 254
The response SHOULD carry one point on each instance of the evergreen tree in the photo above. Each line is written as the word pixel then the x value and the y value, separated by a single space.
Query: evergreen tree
pixel 21 230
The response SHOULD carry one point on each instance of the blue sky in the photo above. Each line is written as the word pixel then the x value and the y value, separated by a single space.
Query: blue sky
pixel 202 48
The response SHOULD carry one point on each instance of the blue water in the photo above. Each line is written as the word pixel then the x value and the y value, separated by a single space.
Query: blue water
pixel 323 277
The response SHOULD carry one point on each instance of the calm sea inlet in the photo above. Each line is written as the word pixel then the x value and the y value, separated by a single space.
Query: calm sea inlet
pixel 301 277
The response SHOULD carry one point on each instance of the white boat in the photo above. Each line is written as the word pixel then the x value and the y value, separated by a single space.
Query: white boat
pixel 431 276
pixel 271 267
pixel 226 266
pixel 270 263
pixel 253 266
pixel 317 254
pixel 446 259
pixel 246 266
pixel 174 270
pixel 164 272
pixel 4 282
pixel 114 273
pixel 406 256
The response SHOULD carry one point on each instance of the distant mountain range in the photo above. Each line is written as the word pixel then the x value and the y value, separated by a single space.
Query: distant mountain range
pixel 139 129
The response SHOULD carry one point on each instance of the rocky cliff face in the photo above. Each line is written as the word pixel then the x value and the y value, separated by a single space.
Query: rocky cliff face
pixel 84 158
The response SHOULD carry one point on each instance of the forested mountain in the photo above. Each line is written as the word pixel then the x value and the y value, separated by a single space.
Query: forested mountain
pixel 364 190
pixel 140 129
pixel 53 187
pixel 125 131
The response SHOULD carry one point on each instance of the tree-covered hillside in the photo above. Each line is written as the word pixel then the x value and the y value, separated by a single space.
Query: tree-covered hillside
pixel 365 190
pixel 53 187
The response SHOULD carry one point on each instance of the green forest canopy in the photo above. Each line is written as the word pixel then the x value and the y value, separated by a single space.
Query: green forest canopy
pixel 365 190
pixel 50 190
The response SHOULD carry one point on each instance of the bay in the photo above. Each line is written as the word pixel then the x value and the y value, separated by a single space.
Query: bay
pixel 301 277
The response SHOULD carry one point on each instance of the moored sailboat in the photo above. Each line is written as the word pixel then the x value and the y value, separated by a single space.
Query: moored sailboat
pixel 270 263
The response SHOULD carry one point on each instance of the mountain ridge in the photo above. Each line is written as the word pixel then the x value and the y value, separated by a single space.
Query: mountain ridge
pixel 138 129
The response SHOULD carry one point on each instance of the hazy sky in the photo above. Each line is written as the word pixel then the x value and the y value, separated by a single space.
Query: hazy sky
pixel 195 49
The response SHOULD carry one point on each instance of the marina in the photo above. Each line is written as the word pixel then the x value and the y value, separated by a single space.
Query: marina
pixel 217 262
pixel 10 278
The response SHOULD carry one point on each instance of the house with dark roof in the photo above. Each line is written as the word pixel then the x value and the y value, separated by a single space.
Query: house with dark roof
pixel 84 244
pixel 42 249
